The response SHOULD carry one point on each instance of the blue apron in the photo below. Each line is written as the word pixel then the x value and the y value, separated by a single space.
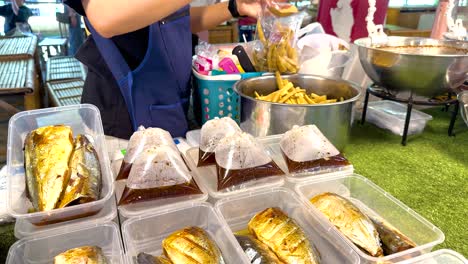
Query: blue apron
pixel 157 92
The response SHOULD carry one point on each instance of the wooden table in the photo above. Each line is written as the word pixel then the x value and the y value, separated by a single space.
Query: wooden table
pixel 19 68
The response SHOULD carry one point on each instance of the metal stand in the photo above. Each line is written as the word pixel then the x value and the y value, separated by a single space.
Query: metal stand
pixel 386 95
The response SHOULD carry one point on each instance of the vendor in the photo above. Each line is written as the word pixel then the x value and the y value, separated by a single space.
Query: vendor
pixel 139 58
pixel 16 12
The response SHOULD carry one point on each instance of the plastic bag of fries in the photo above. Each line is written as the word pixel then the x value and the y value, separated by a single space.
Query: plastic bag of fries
pixel 277 29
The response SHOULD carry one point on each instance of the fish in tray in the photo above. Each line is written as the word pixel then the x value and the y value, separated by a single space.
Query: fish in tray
pixel 350 220
pixel 46 154
pixel 84 184
pixel 191 245
pixel 393 241
pixel 283 236
pixel 256 251
pixel 81 255
pixel 144 258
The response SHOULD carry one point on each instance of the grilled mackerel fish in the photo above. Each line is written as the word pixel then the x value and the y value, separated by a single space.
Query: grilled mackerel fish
pixel 144 258
pixel 393 241
pixel 81 255
pixel 353 223
pixel 283 236
pixel 256 251
pixel 191 245
pixel 47 151
pixel 84 184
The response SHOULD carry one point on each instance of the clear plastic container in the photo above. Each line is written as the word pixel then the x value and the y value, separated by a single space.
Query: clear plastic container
pixel 365 194
pixel 272 143
pixel 4 215
pixel 43 249
pixel 193 137
pixel 83 119
pixel 208 178
pixel 392 115
pixel 23 228
pixel 146 233
pixel 238 210
pixel 442 256
pixel 143 208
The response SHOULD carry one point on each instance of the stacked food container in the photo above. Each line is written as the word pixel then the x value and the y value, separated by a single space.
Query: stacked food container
pixel 224 215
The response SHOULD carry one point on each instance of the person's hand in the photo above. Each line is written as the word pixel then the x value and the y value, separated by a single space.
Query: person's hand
pixel 250 8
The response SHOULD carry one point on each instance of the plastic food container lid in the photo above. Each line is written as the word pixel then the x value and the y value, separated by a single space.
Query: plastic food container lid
pixel 373 199
pixel 25 229
pixel 146 233
pixel 43 249
pixel 397 110
pixel 83 119
pixel 442 256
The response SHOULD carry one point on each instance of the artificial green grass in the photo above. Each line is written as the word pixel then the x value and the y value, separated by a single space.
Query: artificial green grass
pixel 430 174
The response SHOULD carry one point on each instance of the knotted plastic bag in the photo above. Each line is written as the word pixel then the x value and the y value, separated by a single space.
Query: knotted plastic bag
pixel 306 149
pixel 240 159
pixel 211 133
pixel 158 172
pixel 141 140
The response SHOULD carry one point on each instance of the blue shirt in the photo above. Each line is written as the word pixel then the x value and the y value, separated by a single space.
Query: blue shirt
pixel 11 19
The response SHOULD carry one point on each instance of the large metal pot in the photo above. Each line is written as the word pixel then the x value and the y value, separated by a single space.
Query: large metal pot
pixel 424 66
pixel 261 118
pixel 463 98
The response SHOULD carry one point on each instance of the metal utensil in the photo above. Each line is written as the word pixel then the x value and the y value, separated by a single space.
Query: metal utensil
pixel 463 98
pixel 261 118
pixel 424 66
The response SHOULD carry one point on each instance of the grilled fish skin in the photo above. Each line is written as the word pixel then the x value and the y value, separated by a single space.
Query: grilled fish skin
pixel 256 251
pixel 84 184
pixel 353 223
pixel 144 258
pixel 393 241
pixel 81 255
pixel 46 154
pixel 283 236
pixel 191 245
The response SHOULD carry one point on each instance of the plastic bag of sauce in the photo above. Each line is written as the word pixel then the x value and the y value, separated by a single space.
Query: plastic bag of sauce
pixel 306 149
pixel 241 159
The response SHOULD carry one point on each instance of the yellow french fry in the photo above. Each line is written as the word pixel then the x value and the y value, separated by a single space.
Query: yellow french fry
pixel 287 97
pixel 279 81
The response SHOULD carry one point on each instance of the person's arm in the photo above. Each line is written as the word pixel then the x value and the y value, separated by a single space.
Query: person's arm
pixel 4 10
pixel 207 17
pixel 116 17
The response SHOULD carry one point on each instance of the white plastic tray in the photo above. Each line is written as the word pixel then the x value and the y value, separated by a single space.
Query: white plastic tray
pixel 83 119
pixel 238 210
pixel 365 194
pixel 25 229
pixel 442 256
pixel 391 116
pixel 43 249
pixel 146 233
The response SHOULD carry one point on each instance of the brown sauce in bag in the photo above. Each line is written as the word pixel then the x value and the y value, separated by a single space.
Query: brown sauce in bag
pixel 313 165
pixel 124 171
pixel 205 158
pixel 229 178
pixel 141 195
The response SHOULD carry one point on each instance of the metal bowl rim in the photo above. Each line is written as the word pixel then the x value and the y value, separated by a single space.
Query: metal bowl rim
pixel 311 76
pixel 461 95
pixel 359 43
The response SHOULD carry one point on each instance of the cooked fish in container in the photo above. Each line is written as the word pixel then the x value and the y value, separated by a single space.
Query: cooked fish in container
pixel 47 151
pixel 350 221
pixel 283 236
pixel 192 245
pixel 144 258
pixel 393 241
pixel 81 255
pixel 84 184
pixel 256 251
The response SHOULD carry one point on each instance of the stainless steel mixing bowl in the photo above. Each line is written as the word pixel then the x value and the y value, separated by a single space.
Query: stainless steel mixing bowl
pixel 261 118
pixel 463 98
pixel 424 66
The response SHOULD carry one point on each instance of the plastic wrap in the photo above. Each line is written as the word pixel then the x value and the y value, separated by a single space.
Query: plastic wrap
pixel 158 172
pixel 306 149
pixel 241 159
pixel 211 133
pixel 140 141
pixel 277 35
